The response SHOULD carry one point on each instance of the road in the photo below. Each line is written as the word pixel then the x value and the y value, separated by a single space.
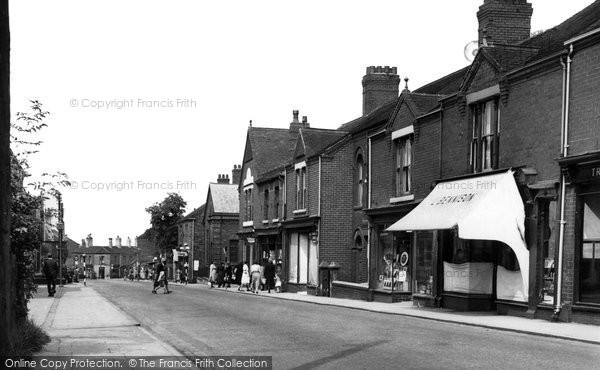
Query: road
pixel 212 322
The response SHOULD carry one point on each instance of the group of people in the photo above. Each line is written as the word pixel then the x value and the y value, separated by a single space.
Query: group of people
pixel 255 277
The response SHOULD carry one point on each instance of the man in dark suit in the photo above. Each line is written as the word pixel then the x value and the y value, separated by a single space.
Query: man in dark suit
pixel 51 271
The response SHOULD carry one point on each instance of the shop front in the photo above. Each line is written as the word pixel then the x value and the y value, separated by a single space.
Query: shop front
pixel 470 248
pixel 583 193
pixel 301 256
pixel 268 245
pixel 392 257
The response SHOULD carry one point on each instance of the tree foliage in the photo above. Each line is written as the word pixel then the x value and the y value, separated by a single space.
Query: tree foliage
pixel 27 221
pixel 163 218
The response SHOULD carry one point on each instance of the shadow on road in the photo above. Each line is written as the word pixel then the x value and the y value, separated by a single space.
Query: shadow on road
pixel 347 352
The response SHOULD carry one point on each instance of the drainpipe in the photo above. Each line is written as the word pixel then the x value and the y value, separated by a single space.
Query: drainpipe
pixel 565 152
pixel 369 179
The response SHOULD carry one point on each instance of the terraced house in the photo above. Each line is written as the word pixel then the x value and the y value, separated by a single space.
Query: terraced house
pixel 477 191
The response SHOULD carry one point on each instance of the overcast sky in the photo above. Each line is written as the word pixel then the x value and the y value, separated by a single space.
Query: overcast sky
pixel 147 95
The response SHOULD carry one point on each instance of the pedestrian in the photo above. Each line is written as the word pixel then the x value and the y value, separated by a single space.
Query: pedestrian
pixel 212 274
pixel 255 275
pixel 51 271
pixel 245 282
pixel 269 275
pixel 221 275
pixel 237 273
pixel 228 275
pixel 161 277
pixel 183 278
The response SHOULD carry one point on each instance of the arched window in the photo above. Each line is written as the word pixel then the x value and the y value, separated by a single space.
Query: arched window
pixel 359 179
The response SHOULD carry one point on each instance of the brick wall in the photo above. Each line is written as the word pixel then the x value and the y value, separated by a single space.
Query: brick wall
pixel 530 125
pixel 584 121
pixel 455 142
pixel 335 229
pixel 426 160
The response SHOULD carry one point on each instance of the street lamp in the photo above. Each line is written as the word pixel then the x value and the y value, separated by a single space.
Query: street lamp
pixel 189 275
pixel 60 226
pixel 84 271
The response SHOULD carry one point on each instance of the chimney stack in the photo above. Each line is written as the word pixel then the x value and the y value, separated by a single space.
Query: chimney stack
pixel 504 21
pixel 223 179
pixel 295 124
pixel 119 245
pixel 236 174
pixel 305 123
pixel 110 242
pixel 89 241
pixel 129 242
pixel 83 244
pixel 380 86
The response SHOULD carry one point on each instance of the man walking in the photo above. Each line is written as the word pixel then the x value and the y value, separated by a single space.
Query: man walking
pixel 255 274
pixel 51 271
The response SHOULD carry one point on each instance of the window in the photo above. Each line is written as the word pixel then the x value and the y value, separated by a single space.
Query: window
pixel 248 205
pixel 393 272
pixel 404 160
pixel 301 188
pixel 485 136
pixel 266 205
pixel 359 179
pixel 303 259
pixel 276 203
pixel 589 268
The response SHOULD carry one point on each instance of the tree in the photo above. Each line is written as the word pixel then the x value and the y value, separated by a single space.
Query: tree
pixel 163 218
pixel 7 283
pixel 26 221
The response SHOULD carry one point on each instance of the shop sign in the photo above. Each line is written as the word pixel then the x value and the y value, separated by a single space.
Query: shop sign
pixel 587 173
pixel 251 240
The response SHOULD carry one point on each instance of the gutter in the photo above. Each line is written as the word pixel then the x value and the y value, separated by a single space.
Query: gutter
pixel 581 37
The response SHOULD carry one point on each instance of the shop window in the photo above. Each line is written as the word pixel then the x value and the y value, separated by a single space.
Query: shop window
pixel 393 265
pixel 549 237
pixel 485 136
pixel 303 267
pixel 424 263
pixel 404 161
pixel 589 278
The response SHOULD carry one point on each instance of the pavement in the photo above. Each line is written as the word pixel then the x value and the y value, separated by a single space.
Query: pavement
pixel 82 322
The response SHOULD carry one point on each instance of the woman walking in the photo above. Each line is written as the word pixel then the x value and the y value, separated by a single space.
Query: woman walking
pixel 245 277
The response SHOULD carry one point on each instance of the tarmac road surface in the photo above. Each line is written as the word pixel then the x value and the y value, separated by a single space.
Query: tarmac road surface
pixel 212 322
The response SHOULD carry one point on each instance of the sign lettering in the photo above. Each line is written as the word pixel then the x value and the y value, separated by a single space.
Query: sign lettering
pixel 461 198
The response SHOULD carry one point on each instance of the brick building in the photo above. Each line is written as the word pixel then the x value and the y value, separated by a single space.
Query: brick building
pixel 221 220
pixel 312 227
pixel 190 240
pixel 580 162
pixel 511 111
pixel 262 190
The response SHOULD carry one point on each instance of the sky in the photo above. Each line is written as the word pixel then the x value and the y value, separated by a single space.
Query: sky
pixel 150 97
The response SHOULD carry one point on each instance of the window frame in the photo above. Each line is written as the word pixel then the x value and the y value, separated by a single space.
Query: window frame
pixel 484 146
pixel 404 170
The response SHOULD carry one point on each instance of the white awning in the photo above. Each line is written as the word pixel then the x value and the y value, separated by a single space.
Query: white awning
pixel 480 208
